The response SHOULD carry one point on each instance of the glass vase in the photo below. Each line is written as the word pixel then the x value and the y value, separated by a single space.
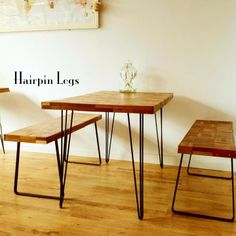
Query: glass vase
pixel 127 76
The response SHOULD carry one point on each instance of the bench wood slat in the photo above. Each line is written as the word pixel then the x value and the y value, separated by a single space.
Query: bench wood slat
pixel 210 138
pixel 50 130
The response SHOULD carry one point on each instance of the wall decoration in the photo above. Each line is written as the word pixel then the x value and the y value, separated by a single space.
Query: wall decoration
pixel 28 15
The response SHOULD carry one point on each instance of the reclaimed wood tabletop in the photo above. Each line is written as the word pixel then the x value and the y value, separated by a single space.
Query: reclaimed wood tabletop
pixel 112 101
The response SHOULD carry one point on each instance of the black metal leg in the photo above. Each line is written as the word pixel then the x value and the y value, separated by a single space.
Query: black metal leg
pixel 141 163
pixel 139 196
pixel 201 215
pixel 108 135
pixel 65 149
pixel 177 182
pixel 232 176
pixel 1 136
pixel 61 159
pixel 17 167
pixel 162 155
pixel 63 155
pixel 99 152
pixel 202 175
pixel 158 142
pixel 98 145
pixel 133 163
pixel 189 162
pixel 58 159
pixel 16 179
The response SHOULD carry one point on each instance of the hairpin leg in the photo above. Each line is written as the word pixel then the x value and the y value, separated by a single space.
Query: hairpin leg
pixel 1 136
pixel 108 135
pixel 139 196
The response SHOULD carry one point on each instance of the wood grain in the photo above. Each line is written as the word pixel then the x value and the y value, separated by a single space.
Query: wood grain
pixel 50 130
pixel 100 201
pixel 209 137
pixel 112 101
pixel 4 90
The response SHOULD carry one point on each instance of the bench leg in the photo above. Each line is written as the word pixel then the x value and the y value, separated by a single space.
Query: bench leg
pixel 203 175
pixel 1 134
pixel 159 141
pixel 16 179
pixel 201 215
pixel 99 152
pixel 58 160
pixel 98 145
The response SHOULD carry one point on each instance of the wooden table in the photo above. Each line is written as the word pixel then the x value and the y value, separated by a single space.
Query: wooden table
pixel 112 101
pixel 2 90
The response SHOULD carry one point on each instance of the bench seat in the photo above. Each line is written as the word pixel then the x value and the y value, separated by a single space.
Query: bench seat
pixel 47 132
pixel 208 138
pixel 50 130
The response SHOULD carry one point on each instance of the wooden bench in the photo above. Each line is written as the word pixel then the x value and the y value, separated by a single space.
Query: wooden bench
pixel 2 90
pixel 208 138
pixel 45 133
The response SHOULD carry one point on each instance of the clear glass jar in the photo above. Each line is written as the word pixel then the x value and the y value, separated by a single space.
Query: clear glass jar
pixel 127 75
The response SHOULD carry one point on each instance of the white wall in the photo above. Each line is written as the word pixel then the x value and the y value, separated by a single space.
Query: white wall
pixel 187 47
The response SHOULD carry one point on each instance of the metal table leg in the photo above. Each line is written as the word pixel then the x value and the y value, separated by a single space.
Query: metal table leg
pixel 108 140
pixel 66 131
pixel 108 135
pixel 140 195
pixel 159 141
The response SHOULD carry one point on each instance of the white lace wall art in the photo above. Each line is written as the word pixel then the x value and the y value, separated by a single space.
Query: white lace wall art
pixel 28 15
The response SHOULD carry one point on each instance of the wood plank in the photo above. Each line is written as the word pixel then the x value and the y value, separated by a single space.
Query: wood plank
pixel 101 201
pixel 4 90
pixel 112 101
pixel 50 130
pixel 208 137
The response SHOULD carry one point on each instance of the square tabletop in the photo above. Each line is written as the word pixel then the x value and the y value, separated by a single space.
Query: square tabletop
pixel 112 101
